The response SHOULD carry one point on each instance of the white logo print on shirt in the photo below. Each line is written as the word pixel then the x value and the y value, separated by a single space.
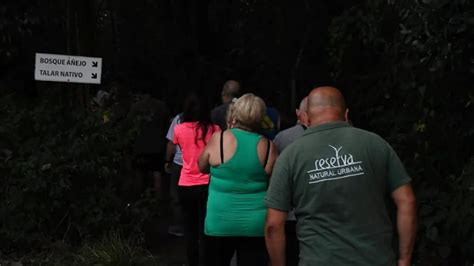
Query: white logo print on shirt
pixel 335 167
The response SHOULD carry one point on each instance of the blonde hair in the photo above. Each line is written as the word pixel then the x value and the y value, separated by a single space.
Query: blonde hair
pixel 247 112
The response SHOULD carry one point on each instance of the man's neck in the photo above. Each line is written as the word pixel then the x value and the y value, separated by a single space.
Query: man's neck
pixel 226 100
pixel 326 120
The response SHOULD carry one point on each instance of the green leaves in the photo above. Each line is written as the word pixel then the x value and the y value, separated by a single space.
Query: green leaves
pixel 114 250
pixel 425 66
pixel 62 176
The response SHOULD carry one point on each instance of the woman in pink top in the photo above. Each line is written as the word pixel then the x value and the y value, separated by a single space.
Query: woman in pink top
pixel 192 136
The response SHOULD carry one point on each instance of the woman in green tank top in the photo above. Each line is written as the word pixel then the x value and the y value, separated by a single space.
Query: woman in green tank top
pixel 240 162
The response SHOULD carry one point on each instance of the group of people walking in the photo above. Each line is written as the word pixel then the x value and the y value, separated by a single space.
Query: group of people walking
pixel 316 195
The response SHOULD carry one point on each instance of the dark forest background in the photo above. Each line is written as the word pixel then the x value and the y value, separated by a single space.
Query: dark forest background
pixel 406 68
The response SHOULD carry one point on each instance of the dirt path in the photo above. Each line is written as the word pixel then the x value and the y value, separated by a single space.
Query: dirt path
pixel 169 250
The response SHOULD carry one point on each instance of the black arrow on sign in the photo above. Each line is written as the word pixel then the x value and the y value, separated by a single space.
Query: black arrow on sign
pixel 94 64
pixel 94 75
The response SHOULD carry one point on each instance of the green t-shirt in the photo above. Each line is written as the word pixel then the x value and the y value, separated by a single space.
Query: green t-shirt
pixel 337 178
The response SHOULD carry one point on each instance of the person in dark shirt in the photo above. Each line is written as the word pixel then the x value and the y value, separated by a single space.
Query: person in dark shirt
pixel 230 90
pixel 150 144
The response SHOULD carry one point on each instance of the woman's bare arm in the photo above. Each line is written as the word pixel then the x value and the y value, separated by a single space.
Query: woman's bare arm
pixel 203 161
pixel 272 156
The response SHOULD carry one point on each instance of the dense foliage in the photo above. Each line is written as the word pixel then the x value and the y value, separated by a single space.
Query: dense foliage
pixel 65 175
pixel 407 69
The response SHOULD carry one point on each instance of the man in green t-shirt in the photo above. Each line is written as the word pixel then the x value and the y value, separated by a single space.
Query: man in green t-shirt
pixel 338 178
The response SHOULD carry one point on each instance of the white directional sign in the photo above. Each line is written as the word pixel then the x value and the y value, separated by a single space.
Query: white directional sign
pixel 67 68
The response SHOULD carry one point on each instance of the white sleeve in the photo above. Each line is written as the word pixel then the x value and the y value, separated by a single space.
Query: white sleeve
pixel 170 133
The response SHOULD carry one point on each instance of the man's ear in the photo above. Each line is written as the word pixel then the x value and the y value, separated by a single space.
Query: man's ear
pixel 346 115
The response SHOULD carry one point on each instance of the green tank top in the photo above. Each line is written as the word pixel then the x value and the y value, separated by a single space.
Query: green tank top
pixel 237 190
